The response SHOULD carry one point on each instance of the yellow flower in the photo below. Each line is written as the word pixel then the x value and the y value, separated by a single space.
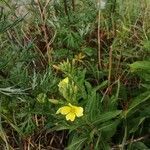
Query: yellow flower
pixel 70 111
pixel 63 83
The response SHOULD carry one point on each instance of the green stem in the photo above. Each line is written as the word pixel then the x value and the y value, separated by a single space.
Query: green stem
pixel 125 135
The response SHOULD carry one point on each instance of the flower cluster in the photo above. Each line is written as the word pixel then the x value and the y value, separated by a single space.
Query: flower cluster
pixel 69 90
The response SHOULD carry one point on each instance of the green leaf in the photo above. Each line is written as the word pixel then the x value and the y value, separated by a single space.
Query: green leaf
pixel 108 129
pixel 146 45
pixel 89 51
pixel 77 144
pixel 41 98
pixel 92 106
pixel 138 146
pixel 143 65
pixel 106 116
pixel 138 100
pixel 60 128
pixel 101 86
pixel 4 27
pixel 136 123
pixel 54 101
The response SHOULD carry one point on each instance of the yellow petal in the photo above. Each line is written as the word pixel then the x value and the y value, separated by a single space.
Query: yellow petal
pixel 66 80
pixel 78 111
pixel 70 116
pixel 63 110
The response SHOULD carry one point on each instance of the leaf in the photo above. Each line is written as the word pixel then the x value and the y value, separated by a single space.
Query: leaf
pixel 101 86
pixel 41 98
pixel 88 51
pixel 54 101
pixel 3 136
pixel 138 146
pixel 60 128
pixel 106 116
pixel 136 123
pixel 143 65
pixel 138 100
pixel 77 144
pixel 10 25
pixel 108 129
pixel 93 103
pixel 92 106
pixel 146 45
pixel 15 127
pixel 113 102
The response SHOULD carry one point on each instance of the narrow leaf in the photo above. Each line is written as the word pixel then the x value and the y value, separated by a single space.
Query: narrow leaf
pixel 138 100
pixel 106 116
pixel 76 144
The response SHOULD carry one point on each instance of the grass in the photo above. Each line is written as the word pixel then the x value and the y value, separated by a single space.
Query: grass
pixel 105 55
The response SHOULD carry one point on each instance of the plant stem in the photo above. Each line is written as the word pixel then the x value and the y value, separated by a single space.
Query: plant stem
pixel 125 135
pixel 99 40
pixel 73 5
pixel 110 65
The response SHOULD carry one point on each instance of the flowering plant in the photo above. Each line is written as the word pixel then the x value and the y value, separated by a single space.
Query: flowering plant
pixel 69 92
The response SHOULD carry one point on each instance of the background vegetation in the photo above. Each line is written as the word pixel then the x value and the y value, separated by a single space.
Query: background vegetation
pixel 103 49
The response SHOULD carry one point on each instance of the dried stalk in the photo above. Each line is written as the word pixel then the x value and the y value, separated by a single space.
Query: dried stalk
pixel 98 36
pixel 42 10
pixel 130 142
pixel 110 65
pixel 99 41
pixel 65 7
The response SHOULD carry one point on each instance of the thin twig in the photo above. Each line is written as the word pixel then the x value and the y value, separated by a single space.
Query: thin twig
pixel 130 142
